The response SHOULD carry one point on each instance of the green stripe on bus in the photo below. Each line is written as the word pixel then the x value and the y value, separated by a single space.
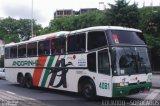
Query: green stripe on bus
pixel 47 71
pixel 130 89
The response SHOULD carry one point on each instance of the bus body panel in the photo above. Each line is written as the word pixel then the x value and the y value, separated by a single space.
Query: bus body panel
pixel 127 85
pixel 42 76
pixel 104 85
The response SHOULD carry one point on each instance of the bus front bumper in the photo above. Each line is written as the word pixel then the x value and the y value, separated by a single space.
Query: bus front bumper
pixel 130 89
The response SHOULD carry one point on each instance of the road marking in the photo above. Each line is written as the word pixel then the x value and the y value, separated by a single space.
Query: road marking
pixel 31 99
pixel 153 95
pixel 12 99
pixel 11 92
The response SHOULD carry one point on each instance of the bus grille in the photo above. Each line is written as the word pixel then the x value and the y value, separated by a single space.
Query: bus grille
pixel 136 83
pixel 136 90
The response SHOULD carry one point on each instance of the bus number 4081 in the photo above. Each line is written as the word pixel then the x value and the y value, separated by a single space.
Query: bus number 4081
pixel 104 85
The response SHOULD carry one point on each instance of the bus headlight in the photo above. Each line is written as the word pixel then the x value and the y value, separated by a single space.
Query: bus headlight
pixel 121 84
pixel 149 79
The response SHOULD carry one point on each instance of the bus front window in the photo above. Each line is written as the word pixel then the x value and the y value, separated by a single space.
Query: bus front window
pixel 122 37
pixel 132 60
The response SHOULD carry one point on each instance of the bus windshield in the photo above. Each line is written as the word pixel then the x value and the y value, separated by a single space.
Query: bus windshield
pixel 119 37
pixel 131 60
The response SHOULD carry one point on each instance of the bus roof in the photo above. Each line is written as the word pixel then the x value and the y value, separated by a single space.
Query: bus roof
pixel 56 34
pixel 41 37
pixel 106 28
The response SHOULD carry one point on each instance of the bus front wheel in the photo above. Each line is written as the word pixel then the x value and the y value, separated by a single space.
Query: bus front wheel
pixel 88 90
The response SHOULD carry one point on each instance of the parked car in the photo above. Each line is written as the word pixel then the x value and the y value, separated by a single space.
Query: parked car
pixel 2 73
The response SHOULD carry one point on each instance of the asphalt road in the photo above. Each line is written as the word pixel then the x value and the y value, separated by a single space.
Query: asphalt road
pixel 156 81
pixel 14 95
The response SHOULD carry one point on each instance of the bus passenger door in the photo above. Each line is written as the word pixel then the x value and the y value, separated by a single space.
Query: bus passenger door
pixel 104 85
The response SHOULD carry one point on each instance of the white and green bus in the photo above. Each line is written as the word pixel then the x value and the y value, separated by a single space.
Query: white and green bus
pixel 106 61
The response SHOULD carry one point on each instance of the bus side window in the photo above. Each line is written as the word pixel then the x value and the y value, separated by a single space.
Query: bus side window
pixel 53 46
pixel 44 47
pixel 13 52
pixel 58 45
pixel 22 50
pixel 32 49
pixel 91 62
pixel 96 39
pixel 7 52
pixel 77 43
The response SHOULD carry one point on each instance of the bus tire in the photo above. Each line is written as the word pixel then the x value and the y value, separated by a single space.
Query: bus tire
pixel 22 80
pixel 28 81
pixel 89 90
pixel 19 77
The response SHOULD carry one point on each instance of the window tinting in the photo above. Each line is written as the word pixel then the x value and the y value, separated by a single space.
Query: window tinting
pixel 96 39
pixel 77 43
pixel 32 49
pixel 13 52
pixel 2 62
pixel 22 50
pixel 44 47
pixel 91 61
pixel 133 60
pixel 103 62
pixel 58 45
pixel 7 52
pixel 127 37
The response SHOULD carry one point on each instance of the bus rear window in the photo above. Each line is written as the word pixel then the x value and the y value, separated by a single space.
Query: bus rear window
pixel 127 37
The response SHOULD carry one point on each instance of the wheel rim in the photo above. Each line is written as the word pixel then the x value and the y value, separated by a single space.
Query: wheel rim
pixel 88 91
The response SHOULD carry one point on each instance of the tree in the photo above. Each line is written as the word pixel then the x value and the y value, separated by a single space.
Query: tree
pixel 150 20
pixel 7 30
pixel 123 14
pixel 45 31
pixel 12 30
pixel 150 24
pixel 24 29
pixel 89 19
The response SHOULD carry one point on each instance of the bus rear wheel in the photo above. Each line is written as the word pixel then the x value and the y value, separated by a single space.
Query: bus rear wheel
pixel 22 81
pixel 28 81
pixel 88 90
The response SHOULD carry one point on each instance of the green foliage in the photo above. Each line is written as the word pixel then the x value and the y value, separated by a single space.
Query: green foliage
pixel 7 30
pixel 44 31
pixel 153 42
pixel 69 23
pixel 12 30
pixel 150 24
pixel 123 14
pixel 150 21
